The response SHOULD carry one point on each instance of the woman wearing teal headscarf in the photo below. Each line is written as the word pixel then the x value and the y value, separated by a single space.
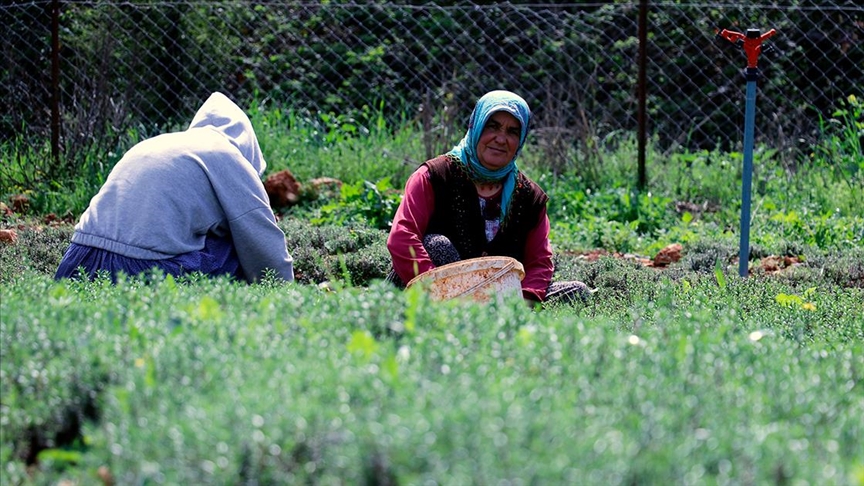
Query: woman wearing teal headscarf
pixel 474 201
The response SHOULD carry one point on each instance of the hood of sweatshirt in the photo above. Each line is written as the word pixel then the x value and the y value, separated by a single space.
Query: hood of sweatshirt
pixel 221 114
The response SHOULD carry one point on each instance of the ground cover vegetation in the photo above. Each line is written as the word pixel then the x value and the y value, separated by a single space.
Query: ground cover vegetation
pixel 680 372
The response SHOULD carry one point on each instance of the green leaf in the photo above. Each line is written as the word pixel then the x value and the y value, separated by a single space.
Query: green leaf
pixel 208 309
pixel 788 300
pixel 363 344
pixel 718 274
pixel 60 456
pixel 525 335
pixel 390 367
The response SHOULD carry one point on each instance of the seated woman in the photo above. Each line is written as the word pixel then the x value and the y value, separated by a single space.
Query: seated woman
pixel 184 202
pixel 474 201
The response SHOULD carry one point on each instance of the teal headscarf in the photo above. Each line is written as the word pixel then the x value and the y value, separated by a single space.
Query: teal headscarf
pixel 466 150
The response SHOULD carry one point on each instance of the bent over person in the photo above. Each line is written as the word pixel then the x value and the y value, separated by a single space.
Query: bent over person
pixel 184 202
pixel 474 201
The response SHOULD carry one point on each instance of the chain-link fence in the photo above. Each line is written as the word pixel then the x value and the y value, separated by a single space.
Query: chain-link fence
pixel 112 65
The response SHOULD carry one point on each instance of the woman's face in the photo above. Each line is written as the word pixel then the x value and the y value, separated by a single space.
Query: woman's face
pixel 499 140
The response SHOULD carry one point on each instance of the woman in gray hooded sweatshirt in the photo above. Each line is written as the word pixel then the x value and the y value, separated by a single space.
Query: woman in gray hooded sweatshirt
pixel 184 202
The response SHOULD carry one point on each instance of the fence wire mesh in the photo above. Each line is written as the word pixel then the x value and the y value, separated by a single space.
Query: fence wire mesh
pixel 112 66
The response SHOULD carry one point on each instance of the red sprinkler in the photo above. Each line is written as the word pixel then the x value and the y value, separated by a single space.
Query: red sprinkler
pixel 752 45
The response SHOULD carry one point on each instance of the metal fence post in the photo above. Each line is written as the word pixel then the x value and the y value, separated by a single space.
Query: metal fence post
pixel 55 83
pixel 642 179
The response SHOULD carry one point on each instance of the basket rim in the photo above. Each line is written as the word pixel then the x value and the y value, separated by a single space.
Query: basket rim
pixel 456 268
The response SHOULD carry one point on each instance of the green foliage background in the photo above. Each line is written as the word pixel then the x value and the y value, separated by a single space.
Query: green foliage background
pixel 133 69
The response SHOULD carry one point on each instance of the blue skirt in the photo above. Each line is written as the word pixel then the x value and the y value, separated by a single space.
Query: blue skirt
pixel 218 257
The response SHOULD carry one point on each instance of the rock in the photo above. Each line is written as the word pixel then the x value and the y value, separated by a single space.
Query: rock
pixel 668 255
pixel 105 475
pixel 327 187
pixel 282 189
pixel 775 263
pixel 9 236
pixel 772 264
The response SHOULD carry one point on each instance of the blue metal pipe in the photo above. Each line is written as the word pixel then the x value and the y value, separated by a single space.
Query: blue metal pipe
pixel 747 175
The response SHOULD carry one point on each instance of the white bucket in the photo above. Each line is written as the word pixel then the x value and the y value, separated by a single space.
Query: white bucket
pixel 475 278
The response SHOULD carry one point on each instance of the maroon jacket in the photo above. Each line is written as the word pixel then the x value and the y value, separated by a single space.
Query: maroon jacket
pixel 440 198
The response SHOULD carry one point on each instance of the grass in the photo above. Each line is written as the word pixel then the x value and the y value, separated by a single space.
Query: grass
pixel 685 375
pixel 350 149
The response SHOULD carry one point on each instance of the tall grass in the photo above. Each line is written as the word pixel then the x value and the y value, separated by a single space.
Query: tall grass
pixel 694 195
pixel 366 147
pixel 328 145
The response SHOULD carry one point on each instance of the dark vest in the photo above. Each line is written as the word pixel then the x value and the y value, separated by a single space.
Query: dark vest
pixel 457 212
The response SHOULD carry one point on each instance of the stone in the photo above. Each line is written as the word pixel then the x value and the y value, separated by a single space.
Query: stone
pixel 668 255
pixel 8 236
pixel 282 189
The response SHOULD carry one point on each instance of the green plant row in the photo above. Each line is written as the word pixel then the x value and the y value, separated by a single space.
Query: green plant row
pixel 213 382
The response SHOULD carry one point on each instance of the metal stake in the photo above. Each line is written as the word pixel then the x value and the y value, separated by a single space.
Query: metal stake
pixel 752 45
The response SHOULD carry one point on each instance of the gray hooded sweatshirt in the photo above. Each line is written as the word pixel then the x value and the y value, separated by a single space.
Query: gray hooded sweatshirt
pixel 168 192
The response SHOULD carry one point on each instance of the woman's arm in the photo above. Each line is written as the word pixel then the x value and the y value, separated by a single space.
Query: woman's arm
pixel 538 261
pixel 405 242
